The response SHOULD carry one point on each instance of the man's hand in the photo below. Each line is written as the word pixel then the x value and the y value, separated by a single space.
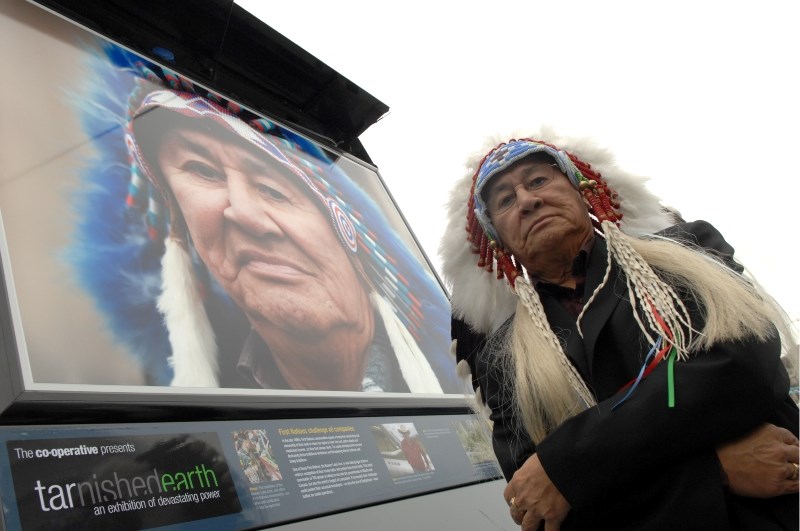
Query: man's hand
pixel 762 463
pixel 535 498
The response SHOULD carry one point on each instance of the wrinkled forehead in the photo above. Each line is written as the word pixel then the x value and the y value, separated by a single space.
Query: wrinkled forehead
pixel 532 163
pixel 166 114
pixel 158 122
pixel 208 140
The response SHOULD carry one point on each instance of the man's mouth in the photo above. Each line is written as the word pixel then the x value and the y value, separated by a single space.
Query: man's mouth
pixel 539 221
pixel 270 265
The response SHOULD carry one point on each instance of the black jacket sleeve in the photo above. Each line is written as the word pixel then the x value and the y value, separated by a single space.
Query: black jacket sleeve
pixel 659 462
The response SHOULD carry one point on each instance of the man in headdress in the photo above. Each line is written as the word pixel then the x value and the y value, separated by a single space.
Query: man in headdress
pixel 269 266
pixel 414 451
pixel 620 353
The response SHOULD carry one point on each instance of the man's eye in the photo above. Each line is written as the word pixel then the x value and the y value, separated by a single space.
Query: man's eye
pixel 505 201
pixel 203 171
pixel 271 192
pixel 537 182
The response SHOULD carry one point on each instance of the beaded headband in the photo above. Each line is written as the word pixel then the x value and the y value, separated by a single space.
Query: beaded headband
pixel 604 202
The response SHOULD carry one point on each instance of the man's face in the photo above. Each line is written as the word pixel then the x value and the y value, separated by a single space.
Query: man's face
pixel 536 211
pixel 261 236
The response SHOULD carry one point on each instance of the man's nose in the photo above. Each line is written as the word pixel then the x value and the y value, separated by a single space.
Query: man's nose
pixel 246 209
pixel 527 200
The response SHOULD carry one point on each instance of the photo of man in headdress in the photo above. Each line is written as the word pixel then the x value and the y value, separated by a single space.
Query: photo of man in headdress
pixel 241 255
pixel 414 451
pixel 402 451
pixel 255 456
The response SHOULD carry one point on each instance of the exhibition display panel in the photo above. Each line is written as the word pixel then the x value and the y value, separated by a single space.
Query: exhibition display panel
pixel 213 313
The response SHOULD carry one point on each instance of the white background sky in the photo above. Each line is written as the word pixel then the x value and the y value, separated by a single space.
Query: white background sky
pixel 701 96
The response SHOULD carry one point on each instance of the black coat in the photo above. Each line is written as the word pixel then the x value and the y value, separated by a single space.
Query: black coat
pixel 645 465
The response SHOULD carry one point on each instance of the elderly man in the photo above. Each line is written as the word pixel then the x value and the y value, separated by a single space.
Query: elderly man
pixel 627 387
pixel 258 235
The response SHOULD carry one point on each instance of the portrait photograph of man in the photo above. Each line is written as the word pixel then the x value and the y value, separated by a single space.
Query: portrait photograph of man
pixel 215 247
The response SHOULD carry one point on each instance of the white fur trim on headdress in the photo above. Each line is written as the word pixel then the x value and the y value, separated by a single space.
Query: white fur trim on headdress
pixel 478 298
pixel 414 366
pixel 194 349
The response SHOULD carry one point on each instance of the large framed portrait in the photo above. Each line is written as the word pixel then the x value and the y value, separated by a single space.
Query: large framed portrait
pixel 161 238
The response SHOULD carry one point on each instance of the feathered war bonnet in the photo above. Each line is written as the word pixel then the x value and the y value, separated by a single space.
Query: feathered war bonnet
pixel 627 216
pixel 477 298
pixel 150 270
pixel 619 207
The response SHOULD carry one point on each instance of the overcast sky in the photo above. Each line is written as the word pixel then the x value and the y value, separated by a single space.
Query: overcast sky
pixel 701 96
